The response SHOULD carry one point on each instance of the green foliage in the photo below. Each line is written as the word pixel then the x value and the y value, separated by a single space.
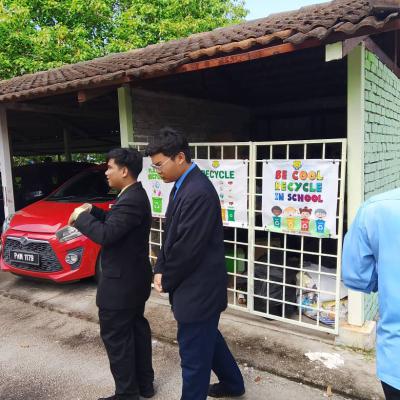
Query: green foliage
pixel 96 158
pixel 41 34
pixel 19 160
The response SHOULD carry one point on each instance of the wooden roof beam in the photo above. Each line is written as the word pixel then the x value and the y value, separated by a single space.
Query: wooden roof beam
pixel 248 56
pixel 45 109
pixel 90 94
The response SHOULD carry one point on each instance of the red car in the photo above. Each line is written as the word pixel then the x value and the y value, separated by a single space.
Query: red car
pixel 37 242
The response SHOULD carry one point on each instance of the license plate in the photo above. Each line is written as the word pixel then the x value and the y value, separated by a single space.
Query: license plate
pixel 24 257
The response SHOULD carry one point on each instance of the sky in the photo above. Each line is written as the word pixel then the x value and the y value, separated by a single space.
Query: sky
pixel 262 8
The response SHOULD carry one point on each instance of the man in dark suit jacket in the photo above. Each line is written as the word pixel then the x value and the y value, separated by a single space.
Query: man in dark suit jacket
pixel 125 284
pixel 191 268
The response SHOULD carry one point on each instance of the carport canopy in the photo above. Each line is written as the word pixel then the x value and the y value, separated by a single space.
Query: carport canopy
pixel 87 107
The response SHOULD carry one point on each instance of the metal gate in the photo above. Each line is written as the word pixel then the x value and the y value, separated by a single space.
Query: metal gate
pixel 256 257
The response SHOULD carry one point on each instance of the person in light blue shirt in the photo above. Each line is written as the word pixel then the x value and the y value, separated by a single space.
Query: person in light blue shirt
pixel 371 263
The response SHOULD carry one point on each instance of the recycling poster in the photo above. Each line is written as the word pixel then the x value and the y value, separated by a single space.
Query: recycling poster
pixel 300 196
pixel 229 178
pixel 157 191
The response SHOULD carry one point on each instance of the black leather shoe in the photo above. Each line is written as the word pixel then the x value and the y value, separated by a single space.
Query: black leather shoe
pixel 218 390
pixel 119 397
pixel 148 392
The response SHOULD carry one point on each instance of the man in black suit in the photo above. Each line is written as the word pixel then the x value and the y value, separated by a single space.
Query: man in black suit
pixel 191 268
pixel 125 284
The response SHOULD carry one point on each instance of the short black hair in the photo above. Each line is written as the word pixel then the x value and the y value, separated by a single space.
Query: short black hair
pixel 129 158
pixel 170 143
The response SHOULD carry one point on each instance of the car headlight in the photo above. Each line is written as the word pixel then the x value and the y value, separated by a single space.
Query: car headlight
pixel 67 233
pixel 7 221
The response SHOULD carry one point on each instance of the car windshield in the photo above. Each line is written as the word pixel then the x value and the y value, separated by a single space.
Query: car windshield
pixel 90 185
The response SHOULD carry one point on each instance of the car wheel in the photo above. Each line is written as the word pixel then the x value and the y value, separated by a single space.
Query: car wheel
pixel 98 270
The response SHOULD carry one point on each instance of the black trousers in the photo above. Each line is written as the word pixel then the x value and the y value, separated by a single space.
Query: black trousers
pixel 390 392
pixel 127 338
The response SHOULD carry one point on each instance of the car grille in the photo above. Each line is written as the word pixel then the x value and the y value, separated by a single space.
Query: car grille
pixel 48 259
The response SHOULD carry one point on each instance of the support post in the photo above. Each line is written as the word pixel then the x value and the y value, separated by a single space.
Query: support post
pixel 355 163
pixel 67 145
pixel 6 166
pixel 125 115
pixel 356 332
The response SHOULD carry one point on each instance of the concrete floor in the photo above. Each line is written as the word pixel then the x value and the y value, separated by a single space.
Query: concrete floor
pixel 48 355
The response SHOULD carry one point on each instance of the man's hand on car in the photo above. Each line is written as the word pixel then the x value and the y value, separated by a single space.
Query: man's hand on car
pixel 86 207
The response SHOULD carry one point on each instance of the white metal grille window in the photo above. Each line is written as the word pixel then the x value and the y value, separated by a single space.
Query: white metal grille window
pixel 237 239
pixel 267 270
pixel 284 264
pixel 156 231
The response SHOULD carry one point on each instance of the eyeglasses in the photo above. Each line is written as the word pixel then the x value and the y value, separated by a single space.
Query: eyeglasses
pixel 159 166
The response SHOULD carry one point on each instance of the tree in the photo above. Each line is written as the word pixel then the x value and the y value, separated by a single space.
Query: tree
pixel 42 34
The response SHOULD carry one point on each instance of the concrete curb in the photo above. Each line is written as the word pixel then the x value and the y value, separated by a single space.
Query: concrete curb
pixel 268 346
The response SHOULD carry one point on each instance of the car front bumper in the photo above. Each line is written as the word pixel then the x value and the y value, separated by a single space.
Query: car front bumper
pixel 52 253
